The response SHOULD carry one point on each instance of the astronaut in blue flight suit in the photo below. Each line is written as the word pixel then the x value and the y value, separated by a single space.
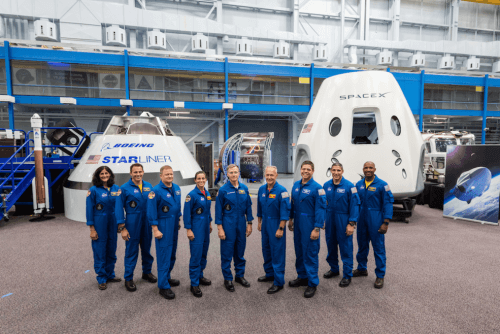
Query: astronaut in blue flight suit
pixel 134 227
pixel 273 210
pixel 164 212
pixel 197 222
pixel 101 219
pixel 375 212
pixel 342 210
pixel 308 211
pixel 233 203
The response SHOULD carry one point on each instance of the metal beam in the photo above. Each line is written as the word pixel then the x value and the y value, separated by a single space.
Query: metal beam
pixel 454 20
pixel 342 29
pixel 303 3
pixel 199 133
pixel 211 10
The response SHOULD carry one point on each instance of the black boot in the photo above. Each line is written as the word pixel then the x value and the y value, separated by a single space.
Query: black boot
pixel 265 279
pixel 174 282
pixel 195 290
pixel 229 285
pixel 205 281
pixel 274 289
pixel 345 282
pixel 130 286
pixel 298 282
pixel 310 291
pixel 242 281
pixel 167 293
pixel 149 277
pixel 330 274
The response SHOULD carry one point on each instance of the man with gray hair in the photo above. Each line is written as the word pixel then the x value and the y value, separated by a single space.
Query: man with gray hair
pixel 273 210
pixel 232 204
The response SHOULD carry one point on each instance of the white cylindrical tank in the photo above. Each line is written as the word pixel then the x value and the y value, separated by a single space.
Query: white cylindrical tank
pixel 45 30
pixel 127 140
pixel 116 36
pixel 156 40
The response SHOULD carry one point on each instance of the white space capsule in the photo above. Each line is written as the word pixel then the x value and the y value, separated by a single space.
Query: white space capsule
pixel 359 117
pixel 143 139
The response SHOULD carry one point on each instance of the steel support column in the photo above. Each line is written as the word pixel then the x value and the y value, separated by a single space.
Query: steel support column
pixel 421 111
pixel 485 110
pixel 311 92
pixel 8 82
pixel 127 87
pixel 226 97
pixel 342 30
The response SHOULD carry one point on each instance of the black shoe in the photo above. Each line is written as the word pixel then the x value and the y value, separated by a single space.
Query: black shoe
pixel 130 286
pixel 265 279
pixel 149 277
pixel 310 291
pixel 102 286
pixel 345 282
pixel 274 289
pixel 298 282
pixel 242 281
pixel 195 290
pixel 379 283
pixel 330 274
pixel 357 273
pixel 114 280
pixel 167 293
pixel 205 281
pixel 174 282
pixel 229 285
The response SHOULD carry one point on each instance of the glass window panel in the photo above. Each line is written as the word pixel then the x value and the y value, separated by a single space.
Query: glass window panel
pixel 64 79
pixel 317 86
pixel 452 97
pixel 494 98
pixel 364 128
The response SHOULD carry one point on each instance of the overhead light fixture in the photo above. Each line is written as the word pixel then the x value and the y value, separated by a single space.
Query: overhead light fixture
pixel 226 38
pixel 180 112
pixel 440 118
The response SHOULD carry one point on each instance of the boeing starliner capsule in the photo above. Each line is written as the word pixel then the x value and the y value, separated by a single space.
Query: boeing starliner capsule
pixel 141 139
pixel 472 183
pixel 359 117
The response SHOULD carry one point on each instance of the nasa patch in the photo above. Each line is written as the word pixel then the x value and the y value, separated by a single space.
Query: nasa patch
pixel 321 192
pixel 165 208
pixel 284 194
pixel 296 189
pixel 188 198
pixel 329 188
pixel 168 195
pixel 306 191
pixel 88 193
pixel 104 195
pixel 263 195
pixel 387 188
pixel 151 195
pixel 136 191
pixel 362 187
pixel 354 190
pixel 178 192
pixel 199 211
pixel 341 190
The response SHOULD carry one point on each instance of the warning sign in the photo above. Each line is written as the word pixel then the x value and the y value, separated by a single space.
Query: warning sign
pixel 145 82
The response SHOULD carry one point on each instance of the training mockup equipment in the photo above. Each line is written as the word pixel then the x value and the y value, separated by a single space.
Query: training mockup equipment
pixel 250 151
pixel 144 139
pixel 436 145
pixel 472 183
pixel 359 117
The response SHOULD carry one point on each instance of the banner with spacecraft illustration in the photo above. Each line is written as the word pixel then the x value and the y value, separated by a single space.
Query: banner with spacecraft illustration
pixel 472 184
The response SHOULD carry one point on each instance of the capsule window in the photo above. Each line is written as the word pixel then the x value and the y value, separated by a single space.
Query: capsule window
pixel 395 126
pixel 335 126
pixel 364 128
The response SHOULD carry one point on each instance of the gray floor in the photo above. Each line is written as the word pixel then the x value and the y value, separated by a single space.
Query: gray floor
pixel 442 278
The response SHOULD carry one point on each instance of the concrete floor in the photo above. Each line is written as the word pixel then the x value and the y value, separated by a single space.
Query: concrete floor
pixel 442 277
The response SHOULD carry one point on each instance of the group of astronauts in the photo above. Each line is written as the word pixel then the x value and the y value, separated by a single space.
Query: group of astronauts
pixel 140 212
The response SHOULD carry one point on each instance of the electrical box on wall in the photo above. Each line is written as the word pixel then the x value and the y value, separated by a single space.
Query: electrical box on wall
pixel 156 40
pixel 417 60
pixel 320 52
pixel 446 63
pixel 45 30
pixel 199 43
pixel 281 49
pixel 244 47
pixel 384 57
pixel 116 36
pixel 473 64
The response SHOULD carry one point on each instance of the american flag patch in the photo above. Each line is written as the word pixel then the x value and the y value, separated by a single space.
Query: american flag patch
pixel 387 188
pixel 321 192
pixel 354 190
pixel 93 159
pixel 307 128
pixel 284 195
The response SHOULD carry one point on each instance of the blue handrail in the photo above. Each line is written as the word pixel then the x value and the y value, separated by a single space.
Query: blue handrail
pixel 13 130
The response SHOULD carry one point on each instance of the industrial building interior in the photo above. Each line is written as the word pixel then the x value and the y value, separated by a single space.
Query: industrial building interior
pixel 212 69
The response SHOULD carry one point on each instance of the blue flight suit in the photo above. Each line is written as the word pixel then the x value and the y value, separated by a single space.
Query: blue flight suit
pixel 135 204
pixel 273 207
pixel 100 212
pixel 308 212
pixel 342 207
pixel 164 210
pixel 376 205
pixel 197 217
pixel 231 206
